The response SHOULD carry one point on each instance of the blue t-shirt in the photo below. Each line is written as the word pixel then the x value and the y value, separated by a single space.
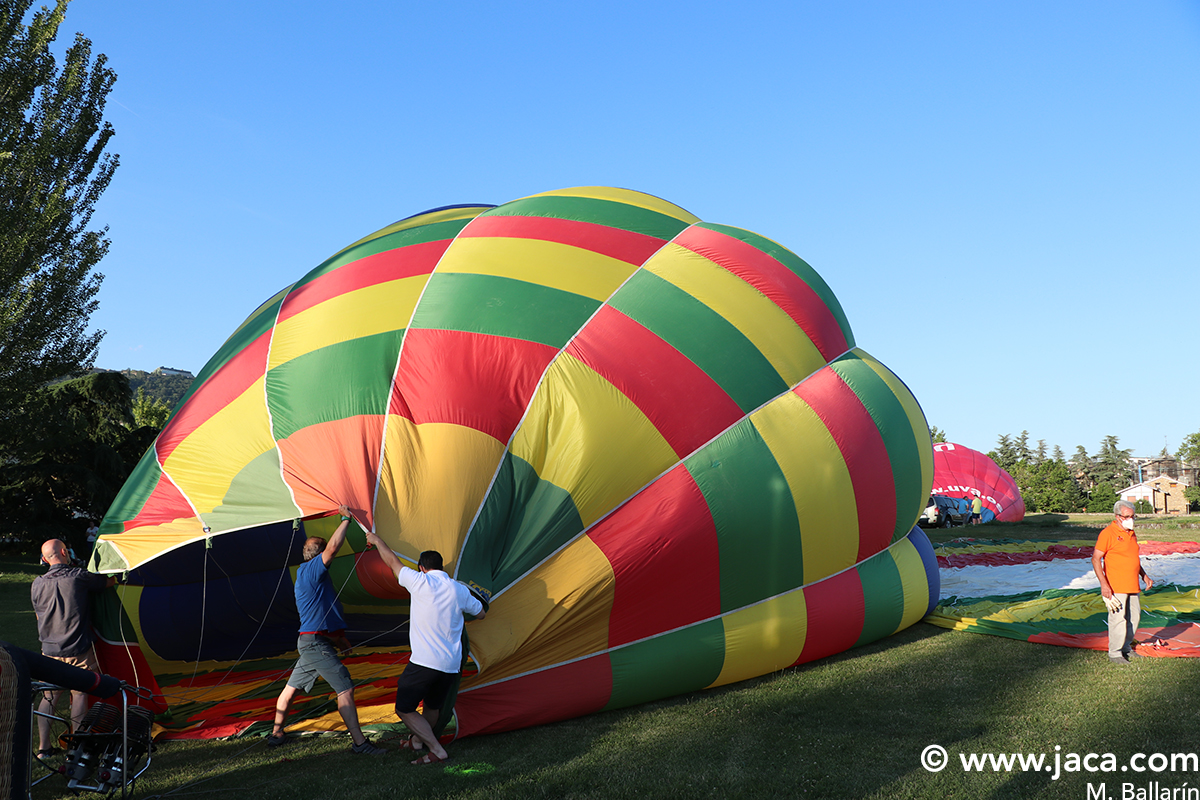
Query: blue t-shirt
pixel 317 602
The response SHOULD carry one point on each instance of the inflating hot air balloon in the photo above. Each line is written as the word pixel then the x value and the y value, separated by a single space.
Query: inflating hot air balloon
pixel 962 472
pixel 1048 592
pixel 650 441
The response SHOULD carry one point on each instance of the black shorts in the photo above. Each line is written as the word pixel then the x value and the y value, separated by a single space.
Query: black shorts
pixel 422 684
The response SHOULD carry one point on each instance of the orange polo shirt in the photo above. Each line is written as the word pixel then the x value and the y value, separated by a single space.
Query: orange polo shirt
pixel 1121 562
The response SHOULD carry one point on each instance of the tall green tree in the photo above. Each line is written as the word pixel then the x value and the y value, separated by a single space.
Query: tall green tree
pixel 1112 464
pixel 1189 449
pixel 149 410
pixel 1007 453
pixel 1083 468
pixel 77 444
pixel 1103 498
pixel 1048 487
pixel 1192 494
pixel 1022 447
pixel 936 435
pixel 53 169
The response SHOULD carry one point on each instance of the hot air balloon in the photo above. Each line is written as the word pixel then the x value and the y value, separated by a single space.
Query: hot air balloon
pixel 1048 592
pixel 650 441
pixel 959 471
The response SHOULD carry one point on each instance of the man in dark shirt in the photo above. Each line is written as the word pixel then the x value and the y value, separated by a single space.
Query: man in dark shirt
pixel 60 602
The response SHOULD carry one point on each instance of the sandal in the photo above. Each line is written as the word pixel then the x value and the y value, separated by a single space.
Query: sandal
pixel 430 758
pixel 413 743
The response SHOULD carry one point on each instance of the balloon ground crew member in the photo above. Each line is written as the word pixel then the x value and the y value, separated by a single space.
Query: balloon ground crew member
pixel 435 638
pixel 322 636
pixel 1118 565
pixel 60 603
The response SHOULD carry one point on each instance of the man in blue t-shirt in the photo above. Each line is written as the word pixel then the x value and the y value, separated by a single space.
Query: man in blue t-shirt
pixel 322 635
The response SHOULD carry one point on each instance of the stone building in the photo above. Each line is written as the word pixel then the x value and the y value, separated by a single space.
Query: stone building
pixel 1164 494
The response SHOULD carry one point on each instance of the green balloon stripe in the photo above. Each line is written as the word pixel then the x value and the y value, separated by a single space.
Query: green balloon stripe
pixel 523 521
pixel 586 209
pixel 320 377
pixel 434 232
pixel 703 336
pixel 883 597
pixel 499 306
pixel 753 512
pixel 895 428
pixel 257 492
pixel 138 488
pixel 681 661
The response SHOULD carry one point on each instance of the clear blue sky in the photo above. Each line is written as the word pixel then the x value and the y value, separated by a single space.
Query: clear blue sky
pixel 1005 197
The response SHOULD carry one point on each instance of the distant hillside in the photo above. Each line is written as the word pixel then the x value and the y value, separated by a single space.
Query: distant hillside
pixel 168 385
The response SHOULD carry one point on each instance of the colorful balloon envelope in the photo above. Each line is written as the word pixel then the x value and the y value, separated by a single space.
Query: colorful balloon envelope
pixel 650 441
pixel 959 471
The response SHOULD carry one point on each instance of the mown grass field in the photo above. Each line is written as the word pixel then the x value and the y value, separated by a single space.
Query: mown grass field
pixel 850 726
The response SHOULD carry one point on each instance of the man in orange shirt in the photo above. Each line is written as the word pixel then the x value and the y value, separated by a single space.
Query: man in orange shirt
pixel 1119 568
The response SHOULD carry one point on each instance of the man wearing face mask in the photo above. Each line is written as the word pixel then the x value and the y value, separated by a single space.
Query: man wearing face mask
pixel 1119 568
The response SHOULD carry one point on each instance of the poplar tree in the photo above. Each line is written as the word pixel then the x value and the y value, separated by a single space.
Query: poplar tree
pixel 53 169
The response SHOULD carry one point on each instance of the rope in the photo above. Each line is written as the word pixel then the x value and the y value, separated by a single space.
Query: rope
pixel 262 623
pixel 203 608
pixel 225 681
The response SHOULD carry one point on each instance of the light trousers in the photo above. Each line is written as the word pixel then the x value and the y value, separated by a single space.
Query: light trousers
pixel 1123 624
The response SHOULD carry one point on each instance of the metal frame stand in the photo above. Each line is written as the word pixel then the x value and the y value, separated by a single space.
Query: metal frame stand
pixel 97 758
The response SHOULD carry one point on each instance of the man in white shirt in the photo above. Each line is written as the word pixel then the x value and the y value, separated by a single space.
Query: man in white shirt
pixel 435 638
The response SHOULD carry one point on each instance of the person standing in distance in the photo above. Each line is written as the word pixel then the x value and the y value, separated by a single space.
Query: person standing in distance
pixel 435 638
pixel 93 533
pixel 1118 565
pixel 60 603
pixel 322 635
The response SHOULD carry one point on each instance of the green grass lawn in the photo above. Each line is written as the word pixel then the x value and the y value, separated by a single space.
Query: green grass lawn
pixel 850 726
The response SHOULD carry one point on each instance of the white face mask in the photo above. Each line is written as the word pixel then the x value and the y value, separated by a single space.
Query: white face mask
pixel 1127 523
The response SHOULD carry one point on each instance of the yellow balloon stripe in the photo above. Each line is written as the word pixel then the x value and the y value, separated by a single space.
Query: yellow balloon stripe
pixel 372 710
pixel 914 581
pixel 784 344
pixel 130 597
pixel 763 638
pixel 968 615
pixel 146 542
pixel 557 613
pixel 559 266
pixel 375 309
pixel 434 476
pixel 819 481
pixel 626 196
pixel 207 461
pixel 568 438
